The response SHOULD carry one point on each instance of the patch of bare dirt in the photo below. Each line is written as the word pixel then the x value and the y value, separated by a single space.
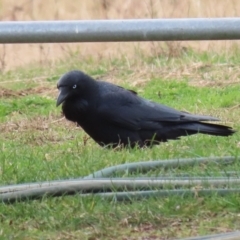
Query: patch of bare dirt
pixel 39 130
pixel 43 91
pixel 35 124
pixel 7 93
pixel 39 90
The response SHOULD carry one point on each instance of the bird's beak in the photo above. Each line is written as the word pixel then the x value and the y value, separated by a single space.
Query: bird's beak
pixel 63 93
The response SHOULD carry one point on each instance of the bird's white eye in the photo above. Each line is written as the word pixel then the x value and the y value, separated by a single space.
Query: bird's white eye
pixel 74 86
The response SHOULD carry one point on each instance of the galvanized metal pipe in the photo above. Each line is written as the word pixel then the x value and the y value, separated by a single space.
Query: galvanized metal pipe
pixel 120 30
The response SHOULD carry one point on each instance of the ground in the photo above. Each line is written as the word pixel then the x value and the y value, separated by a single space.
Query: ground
pixel 38 144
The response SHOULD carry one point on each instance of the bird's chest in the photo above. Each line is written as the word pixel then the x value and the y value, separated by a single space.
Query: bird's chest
pixel 77 111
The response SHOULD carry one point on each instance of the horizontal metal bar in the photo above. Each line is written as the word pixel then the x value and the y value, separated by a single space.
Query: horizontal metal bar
pixel 120 30
pixel 99 184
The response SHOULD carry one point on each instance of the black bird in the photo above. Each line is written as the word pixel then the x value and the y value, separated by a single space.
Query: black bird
pixel 114 116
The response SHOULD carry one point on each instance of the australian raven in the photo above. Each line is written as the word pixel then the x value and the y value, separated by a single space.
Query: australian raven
pixel 114 116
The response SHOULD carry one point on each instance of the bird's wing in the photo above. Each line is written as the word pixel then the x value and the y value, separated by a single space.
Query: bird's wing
pixel 119 112
pixel 129 111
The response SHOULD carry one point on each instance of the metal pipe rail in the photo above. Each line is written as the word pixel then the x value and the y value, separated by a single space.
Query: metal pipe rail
pixel 128 188
pixel 120 30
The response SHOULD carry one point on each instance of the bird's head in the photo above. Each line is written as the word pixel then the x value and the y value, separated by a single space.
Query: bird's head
pixel 72 84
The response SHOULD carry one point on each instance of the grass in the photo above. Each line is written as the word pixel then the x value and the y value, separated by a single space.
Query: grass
pixel 37 144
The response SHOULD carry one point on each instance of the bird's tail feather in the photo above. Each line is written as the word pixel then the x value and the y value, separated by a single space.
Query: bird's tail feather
pixel 187 129
pixel 208 128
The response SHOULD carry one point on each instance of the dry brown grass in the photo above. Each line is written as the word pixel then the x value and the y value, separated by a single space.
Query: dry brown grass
pixel 40 90
pixel 38 129
pixel 16 55
pixel 199 73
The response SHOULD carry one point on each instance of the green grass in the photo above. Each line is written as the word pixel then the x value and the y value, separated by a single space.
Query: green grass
pixel 37 145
